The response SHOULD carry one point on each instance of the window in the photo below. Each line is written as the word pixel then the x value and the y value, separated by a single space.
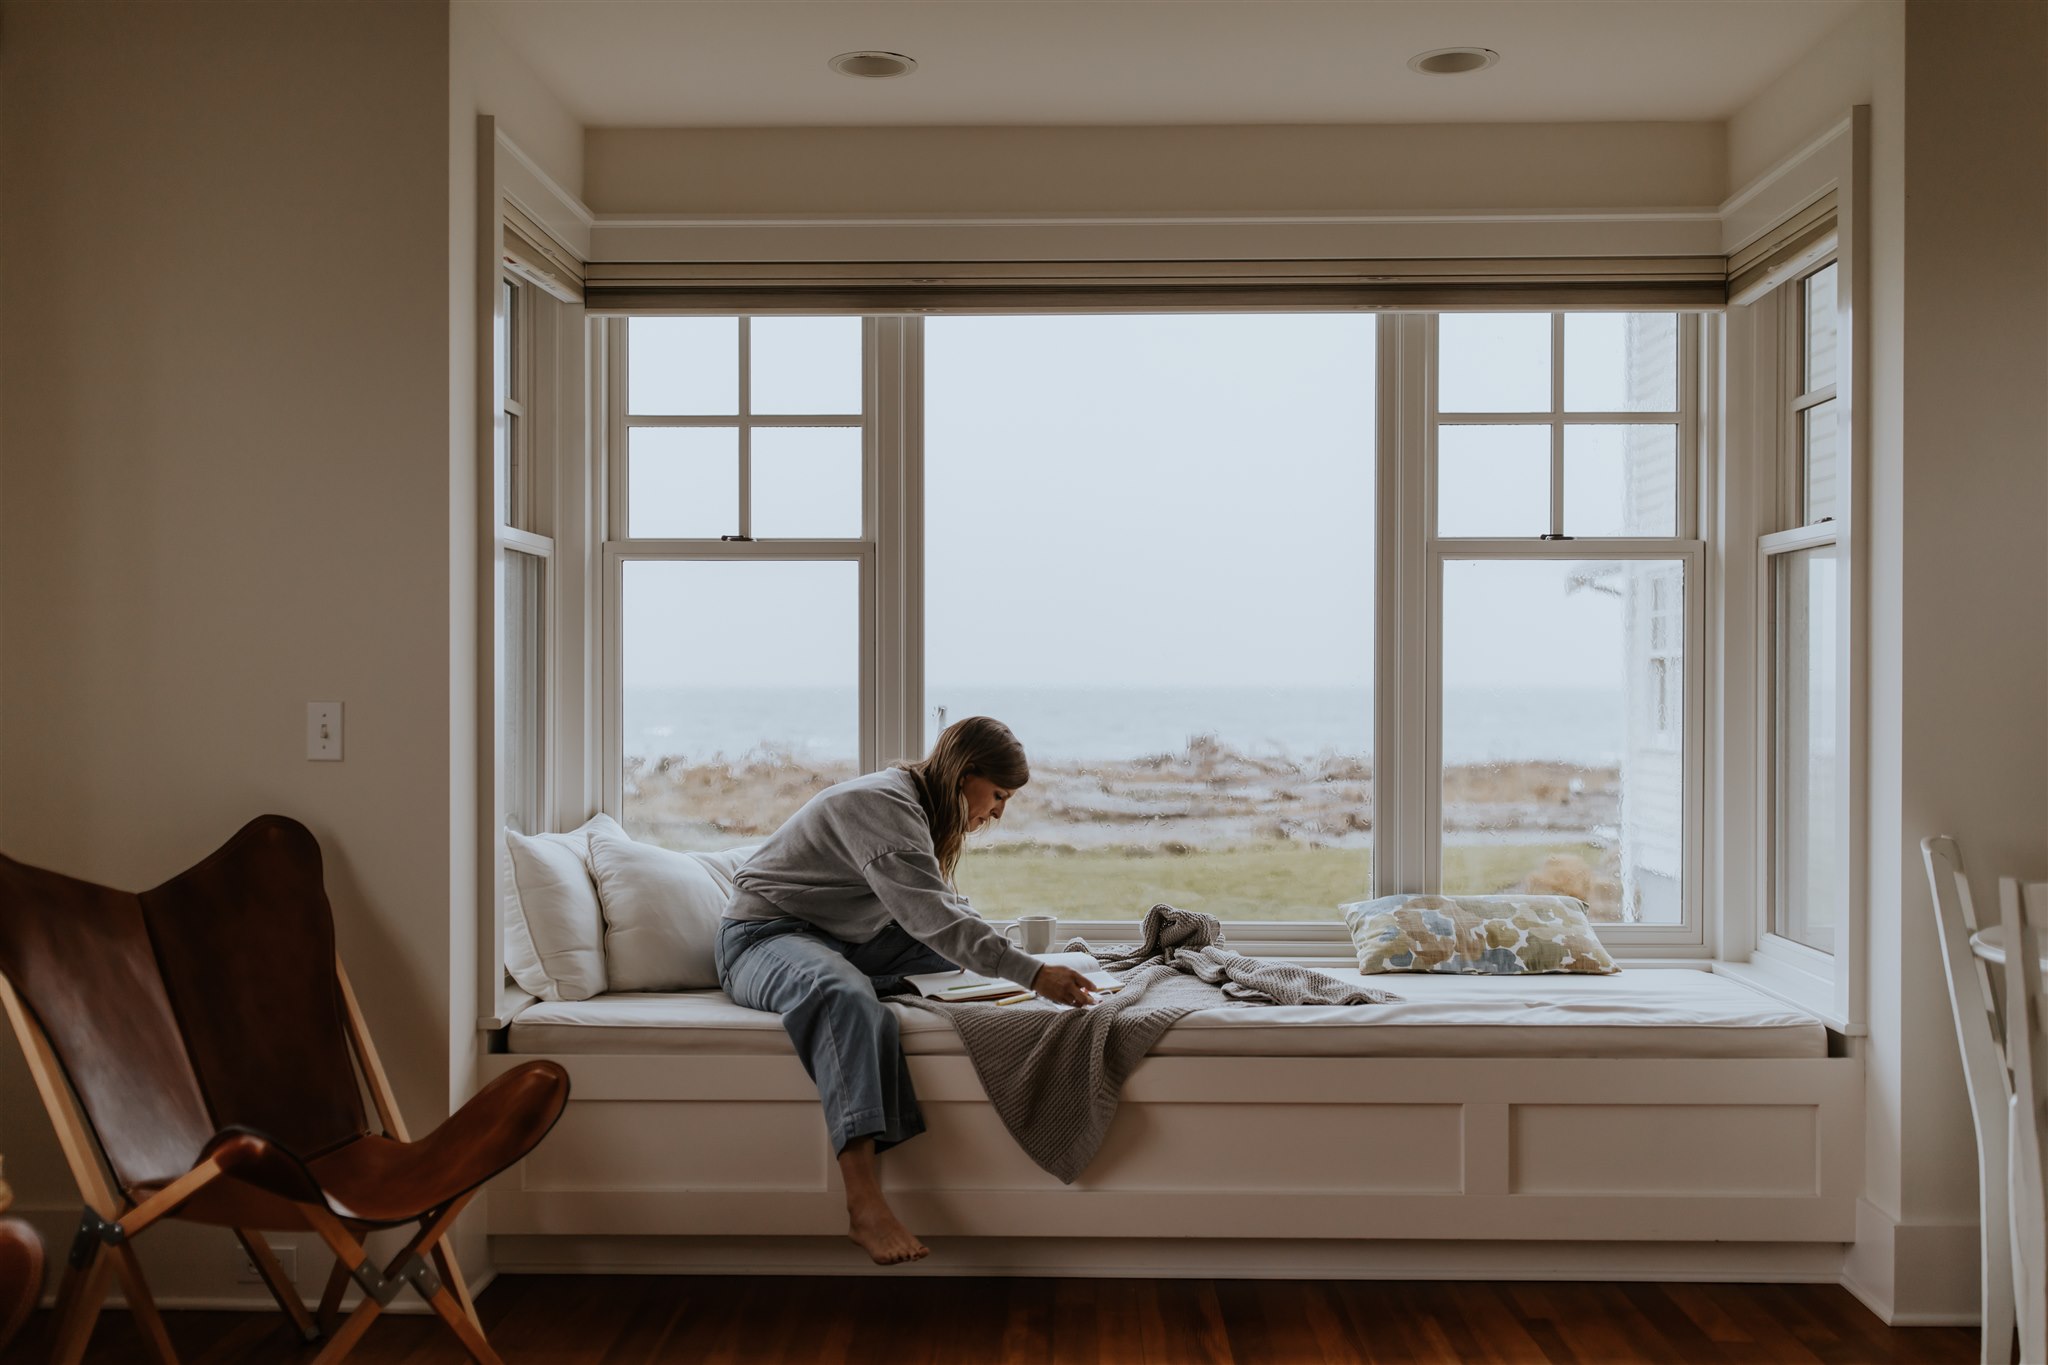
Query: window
pixel 741 574
pixel 1813 402
pixel 536 564
pixel 523 556
pixel 1803 644
pixel 1289 609
pixel 1804 767
pixel 1149 548
pixel 1566 573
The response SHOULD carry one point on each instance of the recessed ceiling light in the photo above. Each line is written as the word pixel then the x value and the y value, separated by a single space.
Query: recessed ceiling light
pixel 1453 61
pixel 873 65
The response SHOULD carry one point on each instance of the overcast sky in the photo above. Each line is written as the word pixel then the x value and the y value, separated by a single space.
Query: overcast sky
pixel 1119 501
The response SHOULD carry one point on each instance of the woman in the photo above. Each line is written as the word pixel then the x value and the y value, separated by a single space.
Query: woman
pixel 852 895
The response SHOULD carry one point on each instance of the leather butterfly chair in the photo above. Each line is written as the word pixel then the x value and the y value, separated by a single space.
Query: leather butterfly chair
pixel 202 1057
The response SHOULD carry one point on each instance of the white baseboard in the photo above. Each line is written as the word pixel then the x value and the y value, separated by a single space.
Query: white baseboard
pixel 1920 1274
pixel 1141 1258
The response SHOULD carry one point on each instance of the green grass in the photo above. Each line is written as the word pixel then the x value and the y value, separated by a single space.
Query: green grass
pixel 1255 883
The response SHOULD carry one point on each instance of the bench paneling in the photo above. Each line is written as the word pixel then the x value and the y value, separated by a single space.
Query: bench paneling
pixel 1763 1150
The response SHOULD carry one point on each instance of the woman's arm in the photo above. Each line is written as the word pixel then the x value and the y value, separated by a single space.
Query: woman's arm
pixel 917 897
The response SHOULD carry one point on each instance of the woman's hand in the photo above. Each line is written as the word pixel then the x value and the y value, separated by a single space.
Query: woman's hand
pixel 1063 986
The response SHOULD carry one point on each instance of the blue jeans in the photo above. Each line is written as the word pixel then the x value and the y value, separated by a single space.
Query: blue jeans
pixel 828 992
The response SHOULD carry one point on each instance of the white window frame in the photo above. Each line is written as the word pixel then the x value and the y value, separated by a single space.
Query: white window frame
pixel 516 494
pixel 522 410
pixel 545 387
pixel 1687 938
pixel 1792 310
pixel 1407 598
pixel 1821 978
pixel 881 593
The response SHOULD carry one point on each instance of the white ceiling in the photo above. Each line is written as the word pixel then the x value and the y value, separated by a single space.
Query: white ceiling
pixel 709 63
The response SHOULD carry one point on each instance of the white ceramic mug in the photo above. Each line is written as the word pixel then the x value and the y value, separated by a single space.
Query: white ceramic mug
pixel 1035 932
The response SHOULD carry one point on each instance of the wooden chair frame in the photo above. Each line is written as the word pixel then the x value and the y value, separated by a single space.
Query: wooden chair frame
pixel 110 1224
pixel 2026 1048
pixel 1980 1034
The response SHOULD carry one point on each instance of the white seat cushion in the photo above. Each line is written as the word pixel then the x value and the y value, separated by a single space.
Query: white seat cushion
pixel 554 928
pixel 1642 1013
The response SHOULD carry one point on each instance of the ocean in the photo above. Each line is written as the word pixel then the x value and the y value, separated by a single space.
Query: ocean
pixel 1082 724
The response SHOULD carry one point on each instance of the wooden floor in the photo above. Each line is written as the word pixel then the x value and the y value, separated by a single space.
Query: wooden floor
pixel 931 1321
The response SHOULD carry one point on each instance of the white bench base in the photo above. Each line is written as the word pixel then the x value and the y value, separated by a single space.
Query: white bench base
pixel 1225 1149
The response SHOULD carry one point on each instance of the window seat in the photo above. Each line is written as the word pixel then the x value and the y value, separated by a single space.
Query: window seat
pixel 1661 1105
pixel 1650 1013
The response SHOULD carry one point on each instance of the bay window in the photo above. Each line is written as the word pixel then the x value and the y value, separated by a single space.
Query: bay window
pixel 1289 609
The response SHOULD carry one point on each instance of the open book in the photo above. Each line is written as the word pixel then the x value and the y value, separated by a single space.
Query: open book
pixel 966 985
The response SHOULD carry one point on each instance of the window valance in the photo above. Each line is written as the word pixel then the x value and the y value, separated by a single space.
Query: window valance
pixel 1786 250
pixel 532 252
pixel 894 287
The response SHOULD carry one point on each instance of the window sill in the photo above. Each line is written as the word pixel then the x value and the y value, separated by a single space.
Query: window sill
pixel 1800 989
pixel 511 1000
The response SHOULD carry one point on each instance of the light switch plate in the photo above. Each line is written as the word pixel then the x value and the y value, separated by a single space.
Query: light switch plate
pixel 323 730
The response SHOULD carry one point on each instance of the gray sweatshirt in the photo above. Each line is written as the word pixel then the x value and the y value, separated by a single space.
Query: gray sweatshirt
pixel 858 855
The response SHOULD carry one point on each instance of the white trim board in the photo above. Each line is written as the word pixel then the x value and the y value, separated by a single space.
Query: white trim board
pixel 1703 231
pixel 541 198
pixel 1821 165
pixel 1913 1274
pixel 1153 1258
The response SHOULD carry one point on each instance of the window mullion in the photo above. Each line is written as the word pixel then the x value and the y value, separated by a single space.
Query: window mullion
pixel 1688 478
pixel 1557 425
pixel 1404 706
pixel 721 420
pixel 1577 419
pixel 616 451
pixel 1791 444
pixel 746 434
pixel 893 374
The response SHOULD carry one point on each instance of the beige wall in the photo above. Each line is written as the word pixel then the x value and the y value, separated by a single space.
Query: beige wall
pixel 223 458
pixel 1974 661
pixel 1036 171
pixel 487 76
pixel 237 474
pixel 1812 93
pixel 1958 479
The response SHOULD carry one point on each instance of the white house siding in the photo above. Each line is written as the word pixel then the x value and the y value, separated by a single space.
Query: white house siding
pixel 1652 776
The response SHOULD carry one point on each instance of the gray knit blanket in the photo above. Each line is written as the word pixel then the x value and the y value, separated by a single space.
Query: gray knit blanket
pixel 1055 1074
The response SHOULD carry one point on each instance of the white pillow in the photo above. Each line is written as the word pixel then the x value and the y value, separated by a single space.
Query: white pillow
pixel 661 911
pixel 554 926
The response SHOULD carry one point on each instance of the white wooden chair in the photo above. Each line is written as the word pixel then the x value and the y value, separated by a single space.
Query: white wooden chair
pixel 1980 1031
pixel 2026 1046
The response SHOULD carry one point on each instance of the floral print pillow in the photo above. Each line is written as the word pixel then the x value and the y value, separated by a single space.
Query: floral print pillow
pixel 1475 935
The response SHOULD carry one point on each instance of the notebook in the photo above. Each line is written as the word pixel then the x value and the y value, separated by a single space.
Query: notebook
pixel 966 985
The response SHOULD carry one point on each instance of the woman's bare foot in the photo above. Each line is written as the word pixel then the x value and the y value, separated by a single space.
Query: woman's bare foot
pixel 875 1230
pixel 870 1222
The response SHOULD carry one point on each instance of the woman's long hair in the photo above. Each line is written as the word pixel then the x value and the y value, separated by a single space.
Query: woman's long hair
pixel 973 747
